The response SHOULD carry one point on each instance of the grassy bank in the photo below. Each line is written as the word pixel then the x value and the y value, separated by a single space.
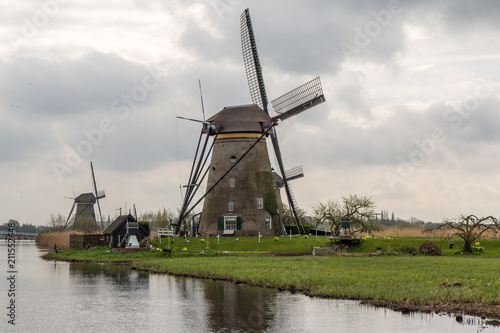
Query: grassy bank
pixel 468 283
pixel 305 244
pixel 455 283
pixel 243 244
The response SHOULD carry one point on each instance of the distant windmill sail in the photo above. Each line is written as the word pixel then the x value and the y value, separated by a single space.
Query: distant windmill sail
pixel 98 195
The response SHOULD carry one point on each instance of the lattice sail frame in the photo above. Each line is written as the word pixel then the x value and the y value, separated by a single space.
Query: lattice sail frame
pixel 299 99
pixel 252 63
pixel 294 173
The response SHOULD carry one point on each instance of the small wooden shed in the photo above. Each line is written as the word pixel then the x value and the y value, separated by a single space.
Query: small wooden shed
pixel 121 229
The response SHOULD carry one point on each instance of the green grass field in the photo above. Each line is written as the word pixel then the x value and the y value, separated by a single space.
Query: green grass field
pixel 394 279
pixel 305 244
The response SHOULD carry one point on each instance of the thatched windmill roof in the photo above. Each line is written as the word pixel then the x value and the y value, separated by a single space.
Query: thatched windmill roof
pixel 88 198
pixel 241 119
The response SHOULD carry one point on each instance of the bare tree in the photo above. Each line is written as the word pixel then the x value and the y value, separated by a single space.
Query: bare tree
pixel 287 217
pixel 57 222
pixel 328 213
pixel 469 228
pixel 359 210
pixel 164 217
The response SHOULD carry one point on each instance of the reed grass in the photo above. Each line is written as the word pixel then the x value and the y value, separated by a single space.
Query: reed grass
pixel 60 239
pixel 418 231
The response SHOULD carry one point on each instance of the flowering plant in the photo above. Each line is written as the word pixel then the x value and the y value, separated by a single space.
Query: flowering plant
pixel 478 248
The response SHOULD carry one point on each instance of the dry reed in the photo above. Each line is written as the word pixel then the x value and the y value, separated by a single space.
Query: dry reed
pixel 420 232
pixel 59 238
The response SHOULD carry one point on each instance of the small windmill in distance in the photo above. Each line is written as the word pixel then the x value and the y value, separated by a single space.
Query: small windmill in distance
pixel 84 218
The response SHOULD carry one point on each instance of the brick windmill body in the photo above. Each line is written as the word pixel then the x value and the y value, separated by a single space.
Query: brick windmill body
pixel 244 203
pixel 242 193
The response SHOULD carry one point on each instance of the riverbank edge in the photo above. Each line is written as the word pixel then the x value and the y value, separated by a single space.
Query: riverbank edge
pixel 481 310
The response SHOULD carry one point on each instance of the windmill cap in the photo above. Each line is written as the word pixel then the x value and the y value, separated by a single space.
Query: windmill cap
pixel 241 119
pixel 85 198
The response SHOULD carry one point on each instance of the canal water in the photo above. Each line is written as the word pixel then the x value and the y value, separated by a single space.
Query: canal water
pixel 56 296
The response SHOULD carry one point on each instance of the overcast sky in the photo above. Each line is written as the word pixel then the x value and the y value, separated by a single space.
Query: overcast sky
pixel 412 116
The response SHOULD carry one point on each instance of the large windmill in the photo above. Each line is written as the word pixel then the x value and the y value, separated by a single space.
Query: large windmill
pixel 84 217
pixel 241 197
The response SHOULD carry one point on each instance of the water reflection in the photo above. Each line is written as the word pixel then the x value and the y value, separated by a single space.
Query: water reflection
pixel 238 307
pixel 80 297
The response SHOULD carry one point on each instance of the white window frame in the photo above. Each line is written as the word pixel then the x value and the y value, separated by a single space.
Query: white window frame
pixel 269 223
pixel 232 182
pixel 230 206
pixel 260 203
pixel 230 223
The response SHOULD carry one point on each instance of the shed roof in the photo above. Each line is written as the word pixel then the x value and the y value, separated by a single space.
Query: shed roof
pixel 241 119
pixel 118 222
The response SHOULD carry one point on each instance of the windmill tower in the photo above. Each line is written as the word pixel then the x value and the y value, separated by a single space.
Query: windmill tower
pixel 84 218
pixel 244 203
pixel 241 198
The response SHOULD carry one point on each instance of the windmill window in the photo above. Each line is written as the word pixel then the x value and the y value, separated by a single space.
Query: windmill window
pixel 260 203
pixel 232 182
pixel 233 159
pixel 230 206
pixel 230 223
pixel 269 223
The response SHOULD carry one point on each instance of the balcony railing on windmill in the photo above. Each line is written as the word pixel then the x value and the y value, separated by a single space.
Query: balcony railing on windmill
pixel 299 99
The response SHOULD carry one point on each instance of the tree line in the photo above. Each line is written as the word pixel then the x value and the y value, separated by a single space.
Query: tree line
pixel 29 228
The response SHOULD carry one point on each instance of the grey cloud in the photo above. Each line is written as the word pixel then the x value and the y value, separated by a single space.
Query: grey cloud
pixel 343 144
pixel 66 86
pixel 351 95
pixel 464 15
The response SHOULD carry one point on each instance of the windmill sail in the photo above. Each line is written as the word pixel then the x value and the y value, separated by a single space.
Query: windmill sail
pixel 299 99
pixel 252 63
pixel 259 96
pixel 69 215
pixel 294 173
pixel 98 194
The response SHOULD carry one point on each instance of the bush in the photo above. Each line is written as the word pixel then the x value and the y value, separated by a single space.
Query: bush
pixel 146 226
pixel 406 249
